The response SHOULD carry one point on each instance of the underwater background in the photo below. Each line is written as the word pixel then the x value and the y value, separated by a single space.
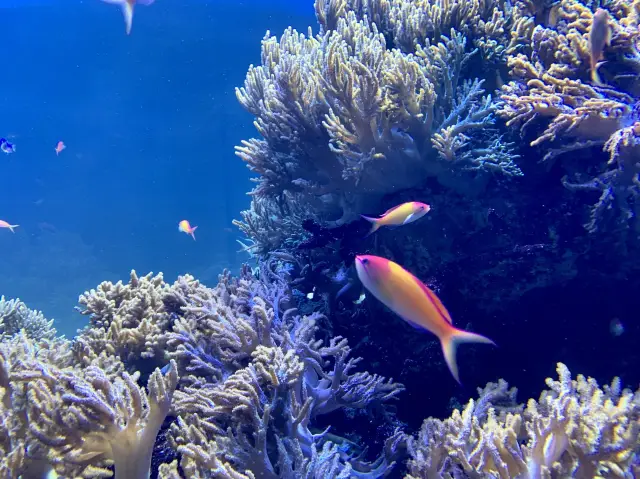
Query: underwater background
pixel 532 243
pixel 150 122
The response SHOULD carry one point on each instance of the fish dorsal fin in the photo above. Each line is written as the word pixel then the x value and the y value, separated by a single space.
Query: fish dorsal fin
pixel 391 209
pixel 436 302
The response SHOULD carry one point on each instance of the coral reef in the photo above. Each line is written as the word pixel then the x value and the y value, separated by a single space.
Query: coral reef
pixel 245 381
pixel 555 85
pixel 380 100
pixel 257 379
pixel 576 429
pixel 75 419
pixel 16 316
pixel 407 100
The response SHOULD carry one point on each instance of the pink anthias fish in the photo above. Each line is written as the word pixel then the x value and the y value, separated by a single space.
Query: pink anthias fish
pixel 185 227
pixel 4 224
pixel 414 302
pixel 399 215
pixel 59 147
pixel 127 7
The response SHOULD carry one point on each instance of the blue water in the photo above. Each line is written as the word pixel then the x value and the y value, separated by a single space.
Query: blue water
pixel 150 121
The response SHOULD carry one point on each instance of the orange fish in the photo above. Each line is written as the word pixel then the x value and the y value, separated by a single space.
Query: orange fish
pixel 599 38
pixel 59 147
pixel 399 215
pixel 4 224
pixel 185 227
pixel 414 302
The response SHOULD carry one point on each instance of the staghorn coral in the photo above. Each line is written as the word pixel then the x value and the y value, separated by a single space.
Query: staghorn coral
pixel 16 316
pixel 346 118
pixel 576 429
pixel 555 86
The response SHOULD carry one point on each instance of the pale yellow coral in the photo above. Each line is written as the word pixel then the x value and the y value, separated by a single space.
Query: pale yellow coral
pixel 127 320
pixel 553 79
pixel 90 422
pixel 576 429
pixel 12 437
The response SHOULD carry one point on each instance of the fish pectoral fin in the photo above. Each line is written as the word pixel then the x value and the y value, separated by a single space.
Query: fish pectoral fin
pixel 409 219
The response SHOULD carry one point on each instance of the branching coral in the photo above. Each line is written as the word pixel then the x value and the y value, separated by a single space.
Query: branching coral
pixel 220 327
pixel 554 83
pixel 92 422
pixel 130 320
pixel 253 420
pixel 407 23
pixel 12 447
pixel 575 429
pixel 16 316
pixel 345 118
pixel 23 363
pixel 254 377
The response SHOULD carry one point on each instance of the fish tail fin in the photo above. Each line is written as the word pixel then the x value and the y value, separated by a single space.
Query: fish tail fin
pixel 193 230
pixel 595 76
pixel 450 345
pixel 11 228
pixel 127 12
pixel 375 225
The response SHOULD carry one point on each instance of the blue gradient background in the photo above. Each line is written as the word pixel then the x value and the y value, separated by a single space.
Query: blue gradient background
pixel 150 121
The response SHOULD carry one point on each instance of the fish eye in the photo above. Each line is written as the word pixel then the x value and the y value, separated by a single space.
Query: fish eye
pixel 365 261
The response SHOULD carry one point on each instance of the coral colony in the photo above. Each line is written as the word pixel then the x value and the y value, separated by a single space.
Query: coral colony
pixel 229 381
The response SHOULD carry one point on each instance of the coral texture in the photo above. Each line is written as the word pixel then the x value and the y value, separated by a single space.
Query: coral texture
pixel 255 380
pixel 130 320
pixel 244 382
pixel 576 429
pixel 73 418
pixel 16 316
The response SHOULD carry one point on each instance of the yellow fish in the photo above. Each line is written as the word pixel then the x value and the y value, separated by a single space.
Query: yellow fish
pixel 413 301
pixel 185 227
pixel 399 215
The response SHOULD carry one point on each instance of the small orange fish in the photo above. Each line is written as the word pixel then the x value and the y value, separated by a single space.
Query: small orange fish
pixel 185 227
pixel 4 224
pixel 413 301
pixel 599 38
pixel 399 215
pixel 59 147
